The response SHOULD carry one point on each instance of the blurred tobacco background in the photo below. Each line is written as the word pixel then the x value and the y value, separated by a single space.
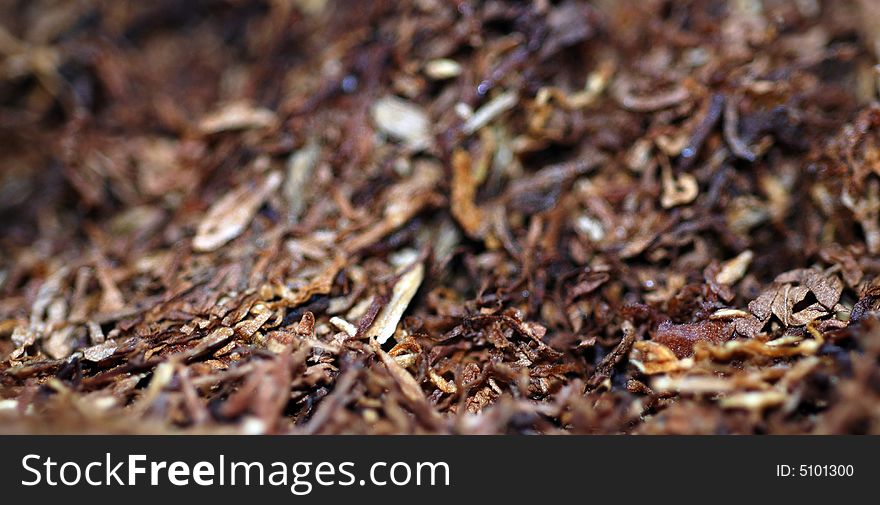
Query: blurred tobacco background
pixel 427 216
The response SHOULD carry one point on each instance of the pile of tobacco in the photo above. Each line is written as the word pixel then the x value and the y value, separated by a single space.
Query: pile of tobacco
pixel 435 216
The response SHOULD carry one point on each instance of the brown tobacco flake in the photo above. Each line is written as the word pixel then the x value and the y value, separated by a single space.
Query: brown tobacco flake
pixel 518 196
pixel 232 213
pixel 681 338
pixel 786 298
pixel 539 191
pixel 464 192
pixel 731 126
pixel 603 369
pixel 402 202
pixel 210 342
pixel 791 290
pixel 319 285
pixel 246 329
pixel 761 306
pixel 827 289
pixel 111 298
pixel 749 326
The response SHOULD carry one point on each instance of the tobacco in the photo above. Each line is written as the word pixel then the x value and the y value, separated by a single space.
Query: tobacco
pixel 439 217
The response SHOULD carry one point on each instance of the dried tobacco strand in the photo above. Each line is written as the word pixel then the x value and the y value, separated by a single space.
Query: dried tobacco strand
pixel 484 217
pixel 702 130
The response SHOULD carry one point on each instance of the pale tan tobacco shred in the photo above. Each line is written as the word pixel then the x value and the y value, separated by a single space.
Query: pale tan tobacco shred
pixel 231 214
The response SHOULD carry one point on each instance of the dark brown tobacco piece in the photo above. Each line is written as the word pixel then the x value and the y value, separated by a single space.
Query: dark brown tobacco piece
pixel 681 338
pixel 481 217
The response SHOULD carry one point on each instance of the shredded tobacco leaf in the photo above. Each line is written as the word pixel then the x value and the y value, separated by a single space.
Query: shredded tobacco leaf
pixel 481 217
